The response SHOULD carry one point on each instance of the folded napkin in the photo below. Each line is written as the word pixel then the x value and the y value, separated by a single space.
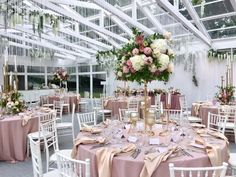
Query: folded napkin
pixel 153 160
pixel 25 120
pixel 218 135
pixel 197 125
pixel 85 140
pixel 88 128
pixel 105 157
pixel 105 102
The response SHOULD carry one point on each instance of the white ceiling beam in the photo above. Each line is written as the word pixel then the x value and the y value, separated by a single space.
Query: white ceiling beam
pixel 110 40
pixel 224 43
pixel 83 4
pixel 151 17
pixel 214 17
pixel 50 46
pixel 177 15
pixel 119 13
pixel 192 12
pixel 77 17
pixel 134 10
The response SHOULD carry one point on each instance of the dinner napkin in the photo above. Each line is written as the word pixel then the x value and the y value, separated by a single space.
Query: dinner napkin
pixel 25 120
pixel 88 128
pixel 153 160
pixel 197 125
pixel 85 140
pixel 218 135
pixel 105 156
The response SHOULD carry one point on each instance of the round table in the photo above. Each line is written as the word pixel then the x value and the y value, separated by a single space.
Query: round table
pixel 126 166
pixel 13 137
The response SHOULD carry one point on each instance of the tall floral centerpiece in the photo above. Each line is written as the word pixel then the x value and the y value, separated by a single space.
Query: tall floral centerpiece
pixel 225 95
pixel 144 59
pixel 61 76
pixel 11 102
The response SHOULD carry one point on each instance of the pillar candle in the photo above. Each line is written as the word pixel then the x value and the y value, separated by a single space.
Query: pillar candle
pixel 169 98
pixel 15 62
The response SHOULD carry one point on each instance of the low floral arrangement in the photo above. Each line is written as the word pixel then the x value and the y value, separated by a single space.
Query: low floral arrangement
pixel 225 95
pixel 145 59
pixel 60 75
pixel 12 103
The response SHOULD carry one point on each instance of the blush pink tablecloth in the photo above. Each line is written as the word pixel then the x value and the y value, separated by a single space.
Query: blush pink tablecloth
pixel 72 99
pixel 174 101
pixel 203 112
pixel 13 138
pixel 115 105
pixel 126 166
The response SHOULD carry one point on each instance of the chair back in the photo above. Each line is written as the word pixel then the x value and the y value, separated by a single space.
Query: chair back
pixel 44 99
pixel 97 103
pixel 229 111
pixel 216 122
pixel 73 121
pixel 72 168
pixel 65 100
pixel 36 157
pixel 124 114
pixel 58 107
pixel 173 114
pixel 133 104
pixel 183 103
pixel 218 171
pixel 50 137
pixel 86 118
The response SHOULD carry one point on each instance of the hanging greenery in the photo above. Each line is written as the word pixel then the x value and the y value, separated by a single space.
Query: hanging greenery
pixel 38 53
pixel 196 2
pixel 219 55
pixel 36 18
pixel 107 59
pixel 195 81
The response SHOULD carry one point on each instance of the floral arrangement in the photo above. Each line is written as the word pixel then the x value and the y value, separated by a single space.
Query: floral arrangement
pixel 225 95
pixel 145 59
pixel 12 102
pixel 60 75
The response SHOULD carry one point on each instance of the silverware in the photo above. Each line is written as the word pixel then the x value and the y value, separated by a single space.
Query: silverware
pixel 136 153
pixel 186 153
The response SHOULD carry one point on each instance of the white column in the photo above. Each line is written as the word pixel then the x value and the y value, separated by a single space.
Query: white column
pixel 91 81
pixel 46 75
pixel 1 70
pixel 77 79
pixel 26 78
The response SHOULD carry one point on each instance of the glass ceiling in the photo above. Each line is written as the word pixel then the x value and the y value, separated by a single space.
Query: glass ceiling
pixel 88 26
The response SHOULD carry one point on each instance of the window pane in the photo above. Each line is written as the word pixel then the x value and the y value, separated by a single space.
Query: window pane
pixel 71 83
pixel 97 86
pixel 84 84
pixel 35 69
pixel 97 68
pixel 20 68
pixel 21 82
pixel 84 68
pixel 71 70
pixel 35 82
pixel 51 69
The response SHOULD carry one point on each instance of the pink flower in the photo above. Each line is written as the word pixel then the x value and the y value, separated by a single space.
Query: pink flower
pixel 129 63
pixel 125 69
pixel 135 51
pixel 132 70
pixel 147 51
pixel 141 48
pixel 148 60
pixel 139 39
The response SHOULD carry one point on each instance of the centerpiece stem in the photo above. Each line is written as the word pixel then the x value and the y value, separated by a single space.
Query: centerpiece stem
pixel 145 105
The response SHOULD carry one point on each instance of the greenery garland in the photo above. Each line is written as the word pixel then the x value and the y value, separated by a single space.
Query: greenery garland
pixel 219 55
pixel 38 53
pixel 36 18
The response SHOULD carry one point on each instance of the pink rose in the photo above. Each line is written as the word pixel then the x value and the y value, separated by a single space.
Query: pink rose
pixel 132 70
pixel 129 63
pixel 147 51
pixel 125 69
pixel 141 48
pixel 148 60
pixel 139 39
pixel 135 51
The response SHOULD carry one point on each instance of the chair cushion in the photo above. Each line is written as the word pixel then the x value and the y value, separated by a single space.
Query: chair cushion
pixel 232 159
pixel 48 105
pixel 53 173
pixel 64 125
pixel 104 111
pixel 65 152
pixel 194 119
pixel 35 135
pixel 229 125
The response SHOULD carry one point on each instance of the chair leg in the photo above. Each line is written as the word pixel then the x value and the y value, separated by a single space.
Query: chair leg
pixel 68 109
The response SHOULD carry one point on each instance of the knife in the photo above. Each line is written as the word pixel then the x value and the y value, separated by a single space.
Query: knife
pixel 98 146
pixel 137 152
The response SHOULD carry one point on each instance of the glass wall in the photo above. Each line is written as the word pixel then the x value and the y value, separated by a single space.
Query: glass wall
pixel 84 85
pixel 98 84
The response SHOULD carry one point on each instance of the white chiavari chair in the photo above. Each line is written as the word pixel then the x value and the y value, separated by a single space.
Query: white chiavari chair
pixel 98 107
pixel 216 122
pixel 67 128
pixel 86 118
pixel 173 114
pixel 69 167
pixel 230 112
pixel 133 104
pixel 157 102
pixel 232 163
pixel 66 103
pixel 37 160
pixel 45 101
pixel 218 171
pixel 58 107
pixel 50 136
pixel 124 114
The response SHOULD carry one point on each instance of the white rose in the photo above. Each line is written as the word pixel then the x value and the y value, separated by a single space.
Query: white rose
pixel 164 61
pixel 170 68
pixel 137 61
pixel 153 68
pixel 17 102
pixel 167 35
pixel 119 74
pixel 170 52
pixel 159 44
pixel 156 53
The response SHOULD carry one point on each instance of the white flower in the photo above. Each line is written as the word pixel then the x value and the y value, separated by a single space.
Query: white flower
pixel 153 68
pixel 160 44
pixel 119 73
pixel 167 35
pixel 137 61
pixel 164 61
pixel 16 102
pixel 156 53
pixel 170 52
pixel 170 68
